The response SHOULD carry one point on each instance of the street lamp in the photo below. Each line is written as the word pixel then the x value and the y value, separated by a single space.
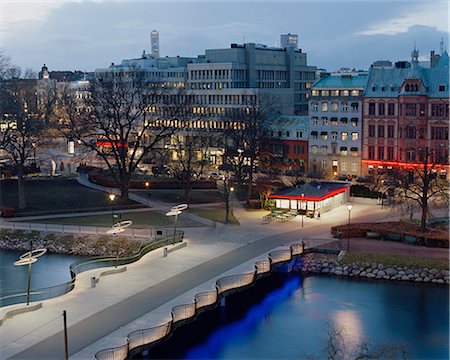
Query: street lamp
pixel 147 185
pixel 349 208
pixel 175 211
pixel 231 191
pixel 303 215
pixel 112 197
pixel 29 258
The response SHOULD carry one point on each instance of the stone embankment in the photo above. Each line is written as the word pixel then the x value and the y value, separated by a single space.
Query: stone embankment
pixel 329 265
pixel 85 245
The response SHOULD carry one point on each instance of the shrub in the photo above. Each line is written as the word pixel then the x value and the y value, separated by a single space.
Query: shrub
pixel 364 191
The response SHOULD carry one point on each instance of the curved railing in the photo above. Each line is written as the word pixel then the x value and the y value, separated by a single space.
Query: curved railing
pixel 95 262
pixel 140 339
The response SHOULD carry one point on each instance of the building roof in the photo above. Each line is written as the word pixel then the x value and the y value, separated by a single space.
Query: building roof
pixel 387 82
pixel 315 191
pixel 341 82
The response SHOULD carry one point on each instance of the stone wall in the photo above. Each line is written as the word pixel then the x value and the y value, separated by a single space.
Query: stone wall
pixel 329 264
pixel 60 243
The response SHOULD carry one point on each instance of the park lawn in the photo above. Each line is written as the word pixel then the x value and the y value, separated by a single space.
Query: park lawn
pixel 176 196
pixel 57 195
pixel 215 214
pixel 140 219
pixel 395 260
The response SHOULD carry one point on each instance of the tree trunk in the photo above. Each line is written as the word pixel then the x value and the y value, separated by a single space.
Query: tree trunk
pixel 124 189
pixel 21 187
pixel 187 190
pixel 423 219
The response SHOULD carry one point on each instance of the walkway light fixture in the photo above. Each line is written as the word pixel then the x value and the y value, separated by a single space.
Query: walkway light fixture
pixel 29 258
pixel 175 211
pixel 349 208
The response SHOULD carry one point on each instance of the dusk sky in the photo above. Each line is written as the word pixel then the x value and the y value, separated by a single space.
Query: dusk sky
pixel 85 35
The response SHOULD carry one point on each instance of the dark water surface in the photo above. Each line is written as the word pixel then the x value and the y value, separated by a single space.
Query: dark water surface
pixel 49 270
pixel 286 317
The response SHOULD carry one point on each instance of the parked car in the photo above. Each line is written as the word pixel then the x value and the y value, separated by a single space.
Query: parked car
pixel 363 179
pixel 389 182
pixel 344 178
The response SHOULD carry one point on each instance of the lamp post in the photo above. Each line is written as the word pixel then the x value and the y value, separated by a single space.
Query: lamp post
pixel 231 202
pixel 147 185
pixel 175 211
pixel 112 197
pixel 303 215
pixel 349 208
pixel 29 258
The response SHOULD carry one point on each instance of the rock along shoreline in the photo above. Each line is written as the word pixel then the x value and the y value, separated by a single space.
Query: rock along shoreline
pixel 329 265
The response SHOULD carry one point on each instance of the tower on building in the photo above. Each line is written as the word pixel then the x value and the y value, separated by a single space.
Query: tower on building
pixel 154 36
pixel 289 41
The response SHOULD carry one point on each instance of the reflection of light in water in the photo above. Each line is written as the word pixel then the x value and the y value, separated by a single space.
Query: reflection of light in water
pixel 241 330
pixel 348 322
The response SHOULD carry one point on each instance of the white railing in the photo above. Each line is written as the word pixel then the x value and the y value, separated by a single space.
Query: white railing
pixel 146 337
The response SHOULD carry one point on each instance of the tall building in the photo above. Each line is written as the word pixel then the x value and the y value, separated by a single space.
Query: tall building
pixel 406 111
pixel 281 72
pixel 335 125
pixel 289 40
pixel 154 36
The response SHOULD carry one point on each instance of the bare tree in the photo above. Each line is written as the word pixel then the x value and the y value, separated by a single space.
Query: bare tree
pixel 190 159
pixel 421 184
pixel 123 119
pixel 336 347
pixel 243 144
pixel 4 65
pixel 25 122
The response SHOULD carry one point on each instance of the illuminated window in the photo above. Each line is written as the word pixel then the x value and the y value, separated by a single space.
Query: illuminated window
pixel 344 136
pixel 354 136
pixel 324 106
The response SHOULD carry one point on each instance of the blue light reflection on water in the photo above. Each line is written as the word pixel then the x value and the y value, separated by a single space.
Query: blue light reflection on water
pixel 238 331
pixel 289 321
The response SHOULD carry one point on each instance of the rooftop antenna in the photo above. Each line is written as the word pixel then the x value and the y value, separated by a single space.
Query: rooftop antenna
pixel 441 45
pixel 243 39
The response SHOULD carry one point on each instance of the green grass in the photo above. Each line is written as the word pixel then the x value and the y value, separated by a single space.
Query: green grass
pixel 394 260
pixel 140 219
pixel 214 214
pixel 196 196
pixel 57 195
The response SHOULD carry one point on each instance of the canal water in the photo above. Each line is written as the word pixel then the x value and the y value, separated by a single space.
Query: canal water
pixel 49 270
pixel 285 316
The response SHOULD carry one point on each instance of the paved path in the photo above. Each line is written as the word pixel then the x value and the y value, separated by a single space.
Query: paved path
pixel 95 314
pixel 119 300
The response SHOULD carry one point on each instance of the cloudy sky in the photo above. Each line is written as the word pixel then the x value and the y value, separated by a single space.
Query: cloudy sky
pixel 84 35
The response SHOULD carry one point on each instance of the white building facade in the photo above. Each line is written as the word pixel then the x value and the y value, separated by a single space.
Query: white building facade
pixel 335 111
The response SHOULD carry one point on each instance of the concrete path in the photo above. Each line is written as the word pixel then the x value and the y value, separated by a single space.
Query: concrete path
pixel 101 317
pixel 122 298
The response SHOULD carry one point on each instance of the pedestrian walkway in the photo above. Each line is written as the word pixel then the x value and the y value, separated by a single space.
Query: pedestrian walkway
pixel 142 296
